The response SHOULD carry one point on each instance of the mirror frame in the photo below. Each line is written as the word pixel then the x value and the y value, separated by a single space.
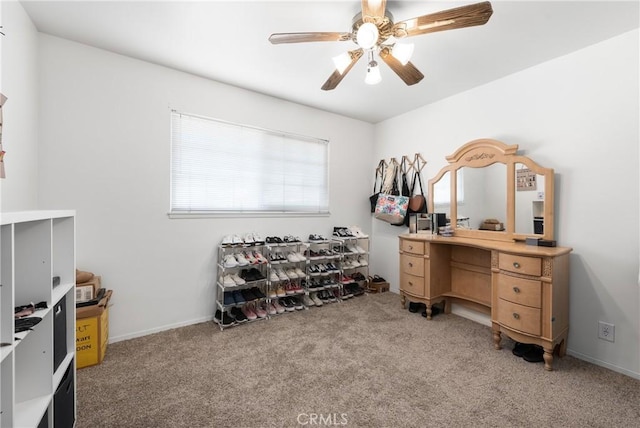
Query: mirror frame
pixel 484 152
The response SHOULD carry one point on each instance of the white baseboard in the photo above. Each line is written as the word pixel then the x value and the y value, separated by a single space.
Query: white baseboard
pixel 158 329
pixel 604 364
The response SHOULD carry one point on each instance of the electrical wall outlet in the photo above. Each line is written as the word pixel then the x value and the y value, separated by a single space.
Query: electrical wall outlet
pixel 606 331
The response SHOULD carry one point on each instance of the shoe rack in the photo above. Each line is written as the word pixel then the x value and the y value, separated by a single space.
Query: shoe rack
pixel 37 266
pixel 287 275
pixel 242 284
pixel 354 264
pixel 323 270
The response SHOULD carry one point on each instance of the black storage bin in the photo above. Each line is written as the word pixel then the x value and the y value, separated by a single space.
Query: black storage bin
pixel 59 332
pixel 63 400
pixel 538 225
pixel 44 422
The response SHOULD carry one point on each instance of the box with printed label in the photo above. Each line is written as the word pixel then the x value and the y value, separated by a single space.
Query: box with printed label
pixel 88 290
pixel 92 332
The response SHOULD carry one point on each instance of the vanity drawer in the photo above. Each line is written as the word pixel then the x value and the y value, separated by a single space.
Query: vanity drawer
pixel 519 317
pixel 412 265
pixel 413 247
pixel 519 290
pixel 520 264
pixel 412 284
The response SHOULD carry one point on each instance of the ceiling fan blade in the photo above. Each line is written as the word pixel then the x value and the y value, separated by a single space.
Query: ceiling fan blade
pixel 373 10
pixel 277 38
pixel 459 17
pixel 336 77
pixel 408 72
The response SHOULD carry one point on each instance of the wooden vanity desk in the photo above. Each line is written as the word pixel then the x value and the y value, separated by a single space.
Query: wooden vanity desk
pixel 523 288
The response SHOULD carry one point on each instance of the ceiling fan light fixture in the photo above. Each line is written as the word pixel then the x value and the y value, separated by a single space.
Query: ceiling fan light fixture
pixel 367 35
pixel 373 74
pixel 402 52
pixel 342 61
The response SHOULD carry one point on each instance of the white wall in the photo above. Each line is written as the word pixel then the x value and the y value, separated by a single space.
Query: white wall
pixel 104 150
pixel 579 115
pixel 19 84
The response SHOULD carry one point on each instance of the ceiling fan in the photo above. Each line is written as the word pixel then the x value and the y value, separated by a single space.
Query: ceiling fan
pixel 373 30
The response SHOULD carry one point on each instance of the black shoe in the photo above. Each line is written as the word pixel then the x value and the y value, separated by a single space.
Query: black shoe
pixel 225 320
pixel 434 311
pixel 248 295
pixel 519 349
pixel 534 355
pixel 416 307
pixel 258 293
pixel 238 315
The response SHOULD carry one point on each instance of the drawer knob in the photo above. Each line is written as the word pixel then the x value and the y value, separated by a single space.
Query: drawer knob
pixel 516 290
pixel 516 265
pixel 411 247
pixel 516 315
pixel 410 283
pixel 410 264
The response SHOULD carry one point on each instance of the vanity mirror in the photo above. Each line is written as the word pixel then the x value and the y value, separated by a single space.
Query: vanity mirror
pixel 494 193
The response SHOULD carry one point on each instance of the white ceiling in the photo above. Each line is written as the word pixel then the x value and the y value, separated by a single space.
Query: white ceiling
pixel 227 41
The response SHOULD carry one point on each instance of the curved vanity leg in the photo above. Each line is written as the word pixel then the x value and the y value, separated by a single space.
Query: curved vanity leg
pixel 548 359
pixel 496 339
pixel 403 300
pixel 429 312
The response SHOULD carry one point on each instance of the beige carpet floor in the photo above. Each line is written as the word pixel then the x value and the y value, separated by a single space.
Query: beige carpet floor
pixel 364 362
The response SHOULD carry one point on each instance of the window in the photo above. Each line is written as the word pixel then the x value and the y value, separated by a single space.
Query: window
pixel 222 168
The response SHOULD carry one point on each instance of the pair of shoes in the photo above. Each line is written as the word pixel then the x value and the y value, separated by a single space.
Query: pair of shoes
pixel 378 278
pixel 417 307
pixel 529 352
pixel 353 289
pixel 343 232
pixel 223 318
pixel 236 313
pixel 252 274
pixel 316 237
pixel 292 303
pixel 316 300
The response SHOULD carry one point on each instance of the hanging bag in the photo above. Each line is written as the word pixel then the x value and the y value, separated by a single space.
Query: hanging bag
pixel 373 199
pixel 391 206
pixel 405 183
pixel 417 203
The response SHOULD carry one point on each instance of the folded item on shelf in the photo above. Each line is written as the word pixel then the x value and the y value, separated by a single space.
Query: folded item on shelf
pixel 27 323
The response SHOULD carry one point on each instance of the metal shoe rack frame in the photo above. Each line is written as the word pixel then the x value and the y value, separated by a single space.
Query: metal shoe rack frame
pixel 266 284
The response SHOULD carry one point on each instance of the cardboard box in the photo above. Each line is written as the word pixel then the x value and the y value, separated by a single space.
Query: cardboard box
pixel 378 287
pixel 92 332
pixel 88 290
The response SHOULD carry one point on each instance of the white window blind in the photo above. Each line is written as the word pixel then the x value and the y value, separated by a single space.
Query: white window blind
pixel 221 167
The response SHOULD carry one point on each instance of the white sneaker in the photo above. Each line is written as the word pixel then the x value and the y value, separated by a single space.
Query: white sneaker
pixel 236 278
pixel 306 300
pixel 230 261
pixel 360 250
pixel 357 232
pixel 252 260
pixel 236 240
pixel 260 258
pixel 291 273
pixel 274 276
pixel 248 239
pixel 316 300
pixel 292 257
pixel 352 248
pixel 363 261
pixel 300 273
pixel 242 260
pixel 227 240
pixel 227 281
pixel 301 257
pixel 283 276
pixel 354 263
